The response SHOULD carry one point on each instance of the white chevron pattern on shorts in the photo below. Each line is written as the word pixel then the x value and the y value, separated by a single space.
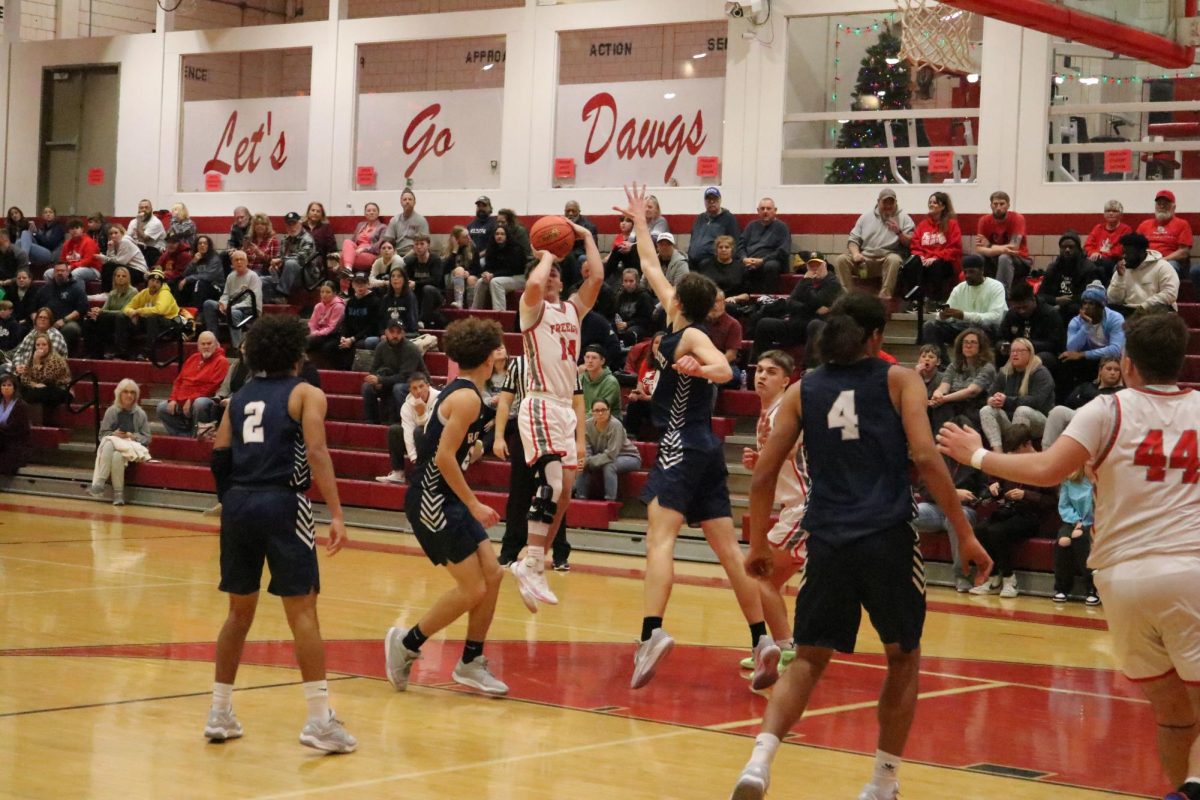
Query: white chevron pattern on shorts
pixel 301 475
pixel 918 570
pixel 304 521
pixel 432 513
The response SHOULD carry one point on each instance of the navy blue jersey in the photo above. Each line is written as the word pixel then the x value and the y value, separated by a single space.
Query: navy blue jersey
pixel 431 479
pixel 268 445
pixel 857 452
pixel 681 406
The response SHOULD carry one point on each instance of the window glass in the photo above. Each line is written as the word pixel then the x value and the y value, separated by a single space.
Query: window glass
pixel 244 121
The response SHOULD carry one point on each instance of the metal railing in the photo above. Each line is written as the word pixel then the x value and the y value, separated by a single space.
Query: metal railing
pixel 93 404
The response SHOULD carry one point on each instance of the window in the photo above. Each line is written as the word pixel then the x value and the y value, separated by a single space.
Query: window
pixel 245 120
pixel 1113 118
pixel 201 15
pixel 430 114
pixel 850 89
pixel 644 104
pixel 398 8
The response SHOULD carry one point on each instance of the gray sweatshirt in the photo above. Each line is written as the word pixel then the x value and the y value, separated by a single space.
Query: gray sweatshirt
pixel 134 422
pixel 603 446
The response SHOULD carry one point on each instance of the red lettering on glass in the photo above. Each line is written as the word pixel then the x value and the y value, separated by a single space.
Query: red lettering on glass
pixel 245 153
pixel 432 140
pixel 638 139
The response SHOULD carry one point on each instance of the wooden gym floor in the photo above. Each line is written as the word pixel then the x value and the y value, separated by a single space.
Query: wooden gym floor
pixel 108 618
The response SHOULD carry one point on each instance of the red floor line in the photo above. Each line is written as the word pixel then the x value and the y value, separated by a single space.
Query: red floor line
pixel 1039 617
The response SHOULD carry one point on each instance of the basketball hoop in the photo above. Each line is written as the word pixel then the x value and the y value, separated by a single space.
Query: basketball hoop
pixel 936 36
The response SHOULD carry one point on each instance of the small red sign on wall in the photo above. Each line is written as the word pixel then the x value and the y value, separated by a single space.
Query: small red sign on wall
pixel 941 162
pixel 1118 160
pixel 708 166
pixel 564 168
pixel 95 176
pixel 212 182
pixel 365 176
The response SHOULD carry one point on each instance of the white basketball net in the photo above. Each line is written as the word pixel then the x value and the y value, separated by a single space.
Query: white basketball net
pixel 935 35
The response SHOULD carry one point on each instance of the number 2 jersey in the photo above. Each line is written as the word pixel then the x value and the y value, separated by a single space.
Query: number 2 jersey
pixel 268 445
pixel 1143 446
pixel 856 451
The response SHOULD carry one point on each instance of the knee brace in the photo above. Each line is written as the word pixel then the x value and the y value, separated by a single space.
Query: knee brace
pixel 548 479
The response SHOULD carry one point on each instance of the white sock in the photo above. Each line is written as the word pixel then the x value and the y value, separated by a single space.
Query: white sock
pixel 316 694
pixel 222 699
pixel 887 770
pixel 534 556
pixel 765 745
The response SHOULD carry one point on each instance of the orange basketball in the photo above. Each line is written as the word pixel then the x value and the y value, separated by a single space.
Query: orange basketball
pixel 554 234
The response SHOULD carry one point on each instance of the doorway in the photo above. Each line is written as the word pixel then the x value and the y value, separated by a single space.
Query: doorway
pixel 78 159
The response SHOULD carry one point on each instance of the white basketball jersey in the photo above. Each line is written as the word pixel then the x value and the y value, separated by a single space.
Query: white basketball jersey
pixel 552 350
pixel 791 491
pixel 1146 462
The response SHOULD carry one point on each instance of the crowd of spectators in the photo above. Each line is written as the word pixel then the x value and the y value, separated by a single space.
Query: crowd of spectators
pixel 1008 348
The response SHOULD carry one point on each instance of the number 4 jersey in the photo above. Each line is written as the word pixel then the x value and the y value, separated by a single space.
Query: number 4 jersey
pixel 268 445
pixel 856 451
pixel 1143 450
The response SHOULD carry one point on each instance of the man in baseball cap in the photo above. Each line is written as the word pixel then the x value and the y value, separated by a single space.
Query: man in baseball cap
pixel 482 225
pixel 875 245
pixel 295 252
pixel 1169 235
pixel 714 221
pixel 674 265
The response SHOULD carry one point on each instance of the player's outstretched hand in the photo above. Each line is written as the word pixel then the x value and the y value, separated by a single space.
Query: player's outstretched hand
pixel 500 449
pixel 688 365
pixel 759 562
pixel 337 536
pixel 749 457
pixel 972 552
pixel 635 202
pixel 485 514
pixel 958 443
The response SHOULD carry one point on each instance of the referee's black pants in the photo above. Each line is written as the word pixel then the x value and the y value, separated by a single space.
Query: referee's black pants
pixel 520 497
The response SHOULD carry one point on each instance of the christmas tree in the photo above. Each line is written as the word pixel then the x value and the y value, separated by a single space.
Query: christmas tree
pixel 880 86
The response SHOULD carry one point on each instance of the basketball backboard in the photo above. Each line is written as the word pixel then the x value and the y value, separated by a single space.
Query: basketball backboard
pixel 1144 29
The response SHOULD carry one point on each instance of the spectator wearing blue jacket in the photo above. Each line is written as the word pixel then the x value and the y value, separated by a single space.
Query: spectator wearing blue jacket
pixel 1094 333
pixel 1074 545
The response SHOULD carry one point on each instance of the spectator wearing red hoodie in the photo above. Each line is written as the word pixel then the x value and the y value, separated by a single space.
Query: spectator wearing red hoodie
pixel 191 402
pixel 936 262
pixel 81 253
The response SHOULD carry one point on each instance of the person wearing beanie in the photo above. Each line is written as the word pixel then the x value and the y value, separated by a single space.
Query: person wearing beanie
pixel 1067 275
pixel 1094 333
pixel 1144 280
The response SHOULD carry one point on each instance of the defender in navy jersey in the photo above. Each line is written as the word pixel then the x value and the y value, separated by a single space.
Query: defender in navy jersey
pixel 269 448
pixel 862 420
pixel 449 520
pixel 687 483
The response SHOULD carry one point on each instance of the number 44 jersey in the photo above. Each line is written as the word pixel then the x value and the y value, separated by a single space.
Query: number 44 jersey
pixel 1146 464
pixel 856 450
pixel 268 445
pixel 552 350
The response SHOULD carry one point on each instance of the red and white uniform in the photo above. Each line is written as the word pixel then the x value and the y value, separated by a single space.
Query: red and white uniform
pixel 791 492
pixel 1146 460
pixel 546 419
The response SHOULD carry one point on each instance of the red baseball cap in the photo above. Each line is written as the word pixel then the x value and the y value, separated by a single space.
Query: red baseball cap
pixel 1165 194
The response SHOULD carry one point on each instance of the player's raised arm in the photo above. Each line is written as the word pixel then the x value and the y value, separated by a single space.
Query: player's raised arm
pixel 593 273
pixel 651 270
pixel 703 359
pixel 1048 468
pixel 785 432
pixel 535 282
pixel 312 419
pixel 914 415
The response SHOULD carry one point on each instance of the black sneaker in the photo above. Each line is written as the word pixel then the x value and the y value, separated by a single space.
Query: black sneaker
pixel 562 566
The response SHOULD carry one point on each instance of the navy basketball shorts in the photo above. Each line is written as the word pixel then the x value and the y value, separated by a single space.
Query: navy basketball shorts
pixel 883 573
pixel 272 525
pixel 692 482
pixel 443 526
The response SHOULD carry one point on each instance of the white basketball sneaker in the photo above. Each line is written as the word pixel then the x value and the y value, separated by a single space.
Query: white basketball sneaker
pixel 222 725
pixel 752 783
pixel 647 656
pixel 329 736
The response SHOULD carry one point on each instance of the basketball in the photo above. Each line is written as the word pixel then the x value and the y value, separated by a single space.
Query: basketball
pixel 554 234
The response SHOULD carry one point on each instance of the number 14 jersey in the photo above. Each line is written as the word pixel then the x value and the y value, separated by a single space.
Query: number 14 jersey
pixel 1143 444
pixel 552 349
